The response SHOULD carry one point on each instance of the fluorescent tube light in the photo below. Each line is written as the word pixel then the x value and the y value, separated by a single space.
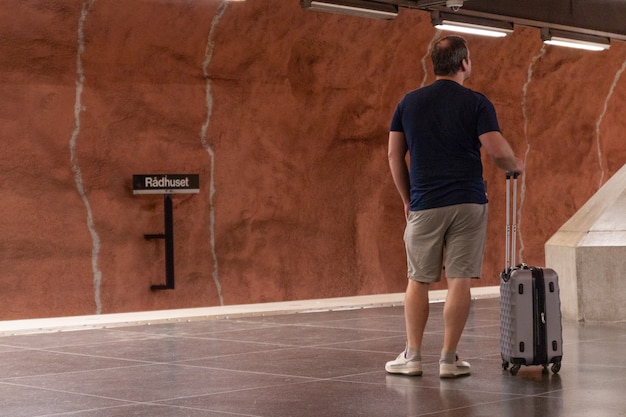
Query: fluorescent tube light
pixel 574 40
pixel 471 24
pixel 353 8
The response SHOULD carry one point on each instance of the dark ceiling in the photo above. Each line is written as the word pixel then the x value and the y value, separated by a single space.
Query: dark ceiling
pixel 595 17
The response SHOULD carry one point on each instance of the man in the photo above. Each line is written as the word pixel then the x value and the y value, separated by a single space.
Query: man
pixel 443 127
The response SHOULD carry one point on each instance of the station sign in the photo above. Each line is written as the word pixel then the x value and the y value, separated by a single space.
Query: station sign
pixel 166 184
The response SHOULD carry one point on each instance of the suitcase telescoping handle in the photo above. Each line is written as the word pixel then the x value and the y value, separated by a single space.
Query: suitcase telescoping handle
pixel 511 224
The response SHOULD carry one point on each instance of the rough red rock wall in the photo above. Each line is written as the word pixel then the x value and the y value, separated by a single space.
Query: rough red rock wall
pixel 284 115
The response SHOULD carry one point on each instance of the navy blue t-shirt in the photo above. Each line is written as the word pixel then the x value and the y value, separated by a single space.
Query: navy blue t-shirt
pixel 441 124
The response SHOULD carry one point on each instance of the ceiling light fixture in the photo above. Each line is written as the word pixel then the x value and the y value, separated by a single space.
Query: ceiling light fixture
pixel 353 8
pixel 470 24
pixel 574 40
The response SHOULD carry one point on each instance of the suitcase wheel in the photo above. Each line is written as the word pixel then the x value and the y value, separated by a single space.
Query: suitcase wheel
pixel 515 369
pixel 556 367
pixel 505 365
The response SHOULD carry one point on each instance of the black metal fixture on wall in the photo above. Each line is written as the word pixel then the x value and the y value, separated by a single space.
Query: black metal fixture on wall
pixel 166 184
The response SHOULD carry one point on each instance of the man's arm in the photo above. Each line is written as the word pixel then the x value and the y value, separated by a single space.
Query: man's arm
pixel 399 170
pixel 501 152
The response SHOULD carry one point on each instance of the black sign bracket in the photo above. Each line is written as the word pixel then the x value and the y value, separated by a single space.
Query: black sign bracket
pixel 168 236
pixel 166 184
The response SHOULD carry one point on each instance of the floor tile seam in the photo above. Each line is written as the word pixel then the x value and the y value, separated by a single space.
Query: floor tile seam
pixel 480 324
pixel 434 355
pixel 434 386
pixel 337 345
pixel 64 332
pixel 186 334
pixel 379 330
pixel 148 336
pixel 356 341
pixel 228 355
pixel 373 339
pixel 251 342
pixel 551 394
pixel 379 316
pixel 479 357
pixel 296 344
pixel 468 407
pixel 394 353
pixel 231 321
pixel 79 393
pixel 238 340
pixel 288 348
pixel 210 336
pixel 307 317
pixel 134 362
pixel 183 334
pixel 345 349
pixel 130 403
pixel 247 327
pixel 391 333
pixel 351 328
pixel 80 371
pixel 565 362
pixel 274 374
pixel 301 380
pixel 327 325
pixel 331 324
pixel 295 347
pixel 13 349
pixel 426 334
pixel 469 326
pixel 309 380
pixel 73 412
pixel 600 407
pixel 494 355
pixel 5 346
pixel 467 334
pixel 154 403
pixel 234 414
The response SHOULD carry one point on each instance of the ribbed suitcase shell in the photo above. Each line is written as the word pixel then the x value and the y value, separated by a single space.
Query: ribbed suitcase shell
pixel 530 306
pixel 531 330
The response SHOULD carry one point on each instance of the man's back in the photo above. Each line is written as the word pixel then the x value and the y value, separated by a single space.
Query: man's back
pixel 441 123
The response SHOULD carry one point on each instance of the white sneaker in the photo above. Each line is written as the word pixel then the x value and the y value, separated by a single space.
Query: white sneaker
pixel 453 370
pixel 404 366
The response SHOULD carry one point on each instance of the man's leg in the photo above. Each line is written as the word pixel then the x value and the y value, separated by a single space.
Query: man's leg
pixel 424 239
pixel 455 313
pixel 416 310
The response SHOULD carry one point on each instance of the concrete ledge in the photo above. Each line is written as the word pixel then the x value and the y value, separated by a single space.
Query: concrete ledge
pixel 589 251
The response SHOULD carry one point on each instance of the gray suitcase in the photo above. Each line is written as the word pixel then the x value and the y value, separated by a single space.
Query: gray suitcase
pixel 530 307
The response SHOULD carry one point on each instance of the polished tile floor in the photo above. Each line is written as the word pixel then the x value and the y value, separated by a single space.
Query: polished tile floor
pixel 317 364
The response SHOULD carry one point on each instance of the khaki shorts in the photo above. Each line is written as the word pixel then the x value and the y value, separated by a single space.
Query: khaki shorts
pixel 456 232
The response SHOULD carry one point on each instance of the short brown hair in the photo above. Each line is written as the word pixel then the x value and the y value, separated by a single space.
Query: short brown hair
pixel 448 55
